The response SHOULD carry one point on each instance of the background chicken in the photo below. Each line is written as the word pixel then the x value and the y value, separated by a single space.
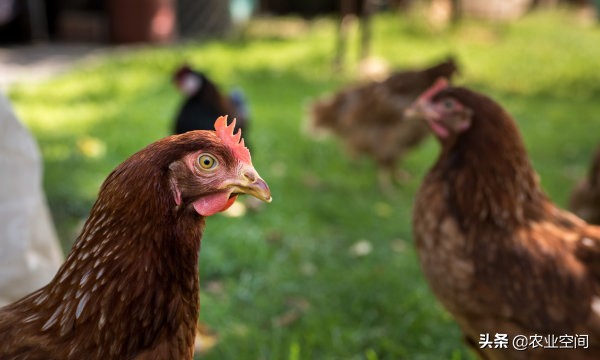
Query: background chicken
pixel 585 199
pixel 204 102
pixel 497 253
pixel 129 287
pixel 370 118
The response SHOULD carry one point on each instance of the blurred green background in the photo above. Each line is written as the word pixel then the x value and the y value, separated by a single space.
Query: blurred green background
pixel 328 270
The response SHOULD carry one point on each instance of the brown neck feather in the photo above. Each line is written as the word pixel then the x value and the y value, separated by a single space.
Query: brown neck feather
pixel 487 175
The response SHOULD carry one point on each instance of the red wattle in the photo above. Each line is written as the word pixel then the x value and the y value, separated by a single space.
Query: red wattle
pixel 211 204
pixel 440 131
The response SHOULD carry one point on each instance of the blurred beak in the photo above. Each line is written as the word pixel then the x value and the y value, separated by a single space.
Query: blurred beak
pixel 421 109
pixel 251 183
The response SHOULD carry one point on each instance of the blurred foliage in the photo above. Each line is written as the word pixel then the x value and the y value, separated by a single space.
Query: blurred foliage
pixel 328 270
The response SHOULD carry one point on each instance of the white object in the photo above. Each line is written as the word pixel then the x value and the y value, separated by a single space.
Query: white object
pixel 30 253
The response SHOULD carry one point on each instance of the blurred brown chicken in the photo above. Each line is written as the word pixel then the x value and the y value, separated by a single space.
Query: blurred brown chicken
pixel 585 198
pixel 498 254
pixel 370 118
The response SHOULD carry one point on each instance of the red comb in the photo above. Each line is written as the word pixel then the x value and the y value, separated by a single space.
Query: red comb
pixel 439 85
pixel 234 141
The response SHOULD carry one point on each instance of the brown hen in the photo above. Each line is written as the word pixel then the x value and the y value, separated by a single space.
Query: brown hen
pixel 585 198
pixel 129 287
pixel 500 256
pixel 370 118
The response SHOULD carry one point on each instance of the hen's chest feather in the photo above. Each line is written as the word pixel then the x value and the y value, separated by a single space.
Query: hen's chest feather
pixel 489 277
pixel 443 251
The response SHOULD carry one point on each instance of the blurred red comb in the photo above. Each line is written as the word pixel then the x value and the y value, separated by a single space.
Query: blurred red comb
pixel 439 85
pixel 234 141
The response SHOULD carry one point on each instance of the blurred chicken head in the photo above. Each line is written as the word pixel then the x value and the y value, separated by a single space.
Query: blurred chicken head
pixel 447 117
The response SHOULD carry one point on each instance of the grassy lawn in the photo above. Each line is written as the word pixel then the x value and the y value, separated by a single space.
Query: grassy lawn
pixel 288 282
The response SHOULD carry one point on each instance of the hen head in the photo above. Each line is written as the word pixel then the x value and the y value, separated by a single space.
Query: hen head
pixel 459 115
pixel 196 172
pixel 209 179
pixel 447 116
pixel 188 81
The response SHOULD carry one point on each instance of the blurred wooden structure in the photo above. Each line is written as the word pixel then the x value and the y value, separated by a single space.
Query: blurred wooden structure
pixel 350 10
pixel 304 8
pixel 116 21
pixel 142 21
pixel 124 21
pixel 205 18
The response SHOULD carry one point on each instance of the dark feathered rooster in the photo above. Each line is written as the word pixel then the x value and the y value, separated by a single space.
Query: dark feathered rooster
pixel 585 199
pixel 129 287
pixel 497 253
pixel 204 103
pixel 370 118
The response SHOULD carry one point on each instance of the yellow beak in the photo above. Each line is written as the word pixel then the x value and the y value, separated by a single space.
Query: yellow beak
pixel 252 184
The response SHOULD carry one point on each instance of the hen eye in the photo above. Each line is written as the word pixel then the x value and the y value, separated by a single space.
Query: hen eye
pixel 448 104
pixel 207 162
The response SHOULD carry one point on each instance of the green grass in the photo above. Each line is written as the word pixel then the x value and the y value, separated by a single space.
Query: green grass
pixel 294 258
